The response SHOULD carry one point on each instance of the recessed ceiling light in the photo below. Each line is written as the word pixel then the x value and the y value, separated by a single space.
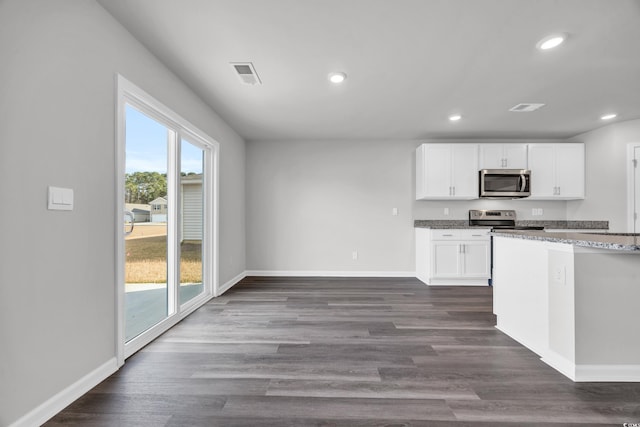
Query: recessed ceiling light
pixel 337 77
pixel 551 41
pixel 608 116
pixel 455 117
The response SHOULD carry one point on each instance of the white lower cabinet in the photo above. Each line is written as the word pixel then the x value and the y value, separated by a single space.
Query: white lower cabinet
pixel 476 259
pixel 445 258
pixel 453 256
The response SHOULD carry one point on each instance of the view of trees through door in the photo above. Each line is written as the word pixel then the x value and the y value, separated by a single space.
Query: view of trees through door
pixel 147 200
pixel 165 206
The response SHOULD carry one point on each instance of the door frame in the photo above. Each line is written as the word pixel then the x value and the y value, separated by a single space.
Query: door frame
pixel 131 94
pixel 631 171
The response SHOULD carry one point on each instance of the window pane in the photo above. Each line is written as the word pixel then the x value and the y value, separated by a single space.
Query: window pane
pixel 192 220
pixel 146 246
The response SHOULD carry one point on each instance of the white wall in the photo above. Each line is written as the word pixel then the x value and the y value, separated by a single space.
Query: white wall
pixel 606 178
pixel 310 204
pixel 555 210
pixel 57 106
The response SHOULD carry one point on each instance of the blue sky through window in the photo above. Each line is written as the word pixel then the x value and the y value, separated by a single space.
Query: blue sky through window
pixel 146 146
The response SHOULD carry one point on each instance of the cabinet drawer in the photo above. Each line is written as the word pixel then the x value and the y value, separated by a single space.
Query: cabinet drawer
pixel 460 234
pixel 471 234
pixel 446 234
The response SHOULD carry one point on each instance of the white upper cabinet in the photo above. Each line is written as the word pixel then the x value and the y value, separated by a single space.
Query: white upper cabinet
pixel 447 171
pixel 557 171
pixel 503 156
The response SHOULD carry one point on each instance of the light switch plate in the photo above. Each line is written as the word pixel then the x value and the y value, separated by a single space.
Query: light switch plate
pixel 60 199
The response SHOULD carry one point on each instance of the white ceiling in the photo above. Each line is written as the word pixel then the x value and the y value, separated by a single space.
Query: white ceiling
pixel 410 63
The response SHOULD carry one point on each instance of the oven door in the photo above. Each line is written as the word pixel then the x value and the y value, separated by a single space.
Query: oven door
pixel 505 183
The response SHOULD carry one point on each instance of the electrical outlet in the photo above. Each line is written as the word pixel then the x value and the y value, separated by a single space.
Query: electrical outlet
pixel 559 275
pixel 394 211
pixel 354 255
pixel 540 211
pixel 446 211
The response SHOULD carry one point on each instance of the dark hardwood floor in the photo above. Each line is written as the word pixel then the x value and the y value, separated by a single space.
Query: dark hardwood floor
pixel 345 352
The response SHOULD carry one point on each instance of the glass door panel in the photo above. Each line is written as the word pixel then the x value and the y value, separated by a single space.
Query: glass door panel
pixel 146 244
pixel 636 191
pixel 191 221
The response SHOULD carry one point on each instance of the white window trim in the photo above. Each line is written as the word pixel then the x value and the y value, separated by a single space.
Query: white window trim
pixel 129 93
pixel 631 186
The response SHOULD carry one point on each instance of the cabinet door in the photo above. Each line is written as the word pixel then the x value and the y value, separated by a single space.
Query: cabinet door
pixel 445 259
pixel 541 163
pixel 491 156
pixel 515 156
pixel 503 156
pixel 569 171
pixel 437 171
pixel 476 259
pixel 465 171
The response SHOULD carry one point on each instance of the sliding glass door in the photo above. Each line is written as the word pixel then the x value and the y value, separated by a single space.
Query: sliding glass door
pixel 146 241
pixel 192 198
pixel 166 253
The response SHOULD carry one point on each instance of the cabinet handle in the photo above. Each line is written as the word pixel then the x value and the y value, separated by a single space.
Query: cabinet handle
pixel 462 248
pixel 447 235
pixel 558 191
pixel 454 190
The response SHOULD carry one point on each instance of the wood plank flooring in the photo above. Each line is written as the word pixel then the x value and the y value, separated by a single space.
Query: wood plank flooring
pixel 345 352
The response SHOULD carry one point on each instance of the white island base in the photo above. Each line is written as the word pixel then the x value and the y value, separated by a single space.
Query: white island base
pixel 577 307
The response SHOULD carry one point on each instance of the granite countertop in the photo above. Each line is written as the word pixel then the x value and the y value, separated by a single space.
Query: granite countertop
pixel 552 225
pixel 442 223
pixel 615 241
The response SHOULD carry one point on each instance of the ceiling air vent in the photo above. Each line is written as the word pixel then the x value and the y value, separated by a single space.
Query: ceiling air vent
pixel 246 72
pixel 525 108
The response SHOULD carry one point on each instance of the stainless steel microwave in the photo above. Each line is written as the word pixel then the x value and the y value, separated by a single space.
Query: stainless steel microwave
pixel 505 183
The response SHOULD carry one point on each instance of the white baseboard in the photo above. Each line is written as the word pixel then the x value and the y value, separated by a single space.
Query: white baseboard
pixel 531 346
pixel 61 400
pixel 324 273
pixel 608 373
pixel 592 373
pixel 560 364
pixel 230 283
pixel 463 282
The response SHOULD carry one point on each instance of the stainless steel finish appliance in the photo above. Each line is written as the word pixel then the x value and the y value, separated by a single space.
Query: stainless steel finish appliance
pixel 498 219
pixel 505 183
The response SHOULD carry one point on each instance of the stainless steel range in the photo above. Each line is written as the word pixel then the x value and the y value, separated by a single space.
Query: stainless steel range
pixel 497 219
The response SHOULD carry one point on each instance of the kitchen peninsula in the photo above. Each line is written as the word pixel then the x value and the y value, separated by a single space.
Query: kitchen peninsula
pixel 572 298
